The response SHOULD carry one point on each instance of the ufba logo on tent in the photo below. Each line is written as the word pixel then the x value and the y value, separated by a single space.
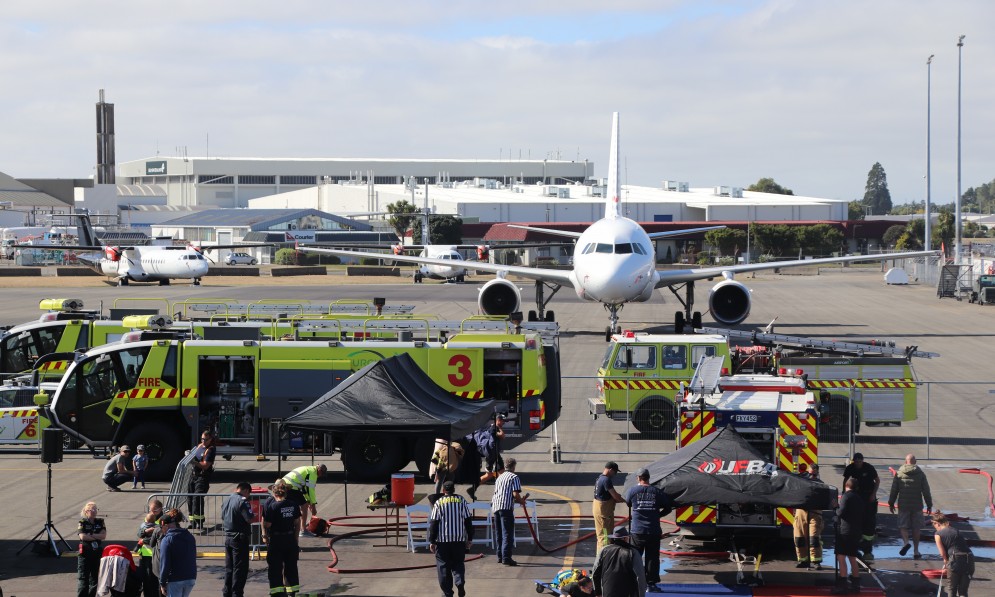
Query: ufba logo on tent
pixel 717 466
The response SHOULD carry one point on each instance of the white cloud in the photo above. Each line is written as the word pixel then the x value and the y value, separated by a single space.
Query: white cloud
pixel 809 93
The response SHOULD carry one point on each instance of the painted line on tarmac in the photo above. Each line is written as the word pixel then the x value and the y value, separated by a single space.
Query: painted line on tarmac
pixel 568 558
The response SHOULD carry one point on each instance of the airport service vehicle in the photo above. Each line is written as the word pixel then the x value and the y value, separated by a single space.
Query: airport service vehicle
pixel 776 414
pixel 640 375
pixel 240 259
pixel 20 420
pixel 984 290
pixel 66 327
pixel 161 388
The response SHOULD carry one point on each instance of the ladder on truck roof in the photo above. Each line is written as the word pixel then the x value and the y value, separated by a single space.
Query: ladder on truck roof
pixel 874 348
pixel 206 309
pixel 431 328
pixel 706 375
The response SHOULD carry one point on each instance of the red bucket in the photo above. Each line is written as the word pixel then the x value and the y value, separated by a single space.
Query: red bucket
pixel 402 489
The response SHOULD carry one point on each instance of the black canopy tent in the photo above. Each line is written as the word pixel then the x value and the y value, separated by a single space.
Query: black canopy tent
pixel 395 395
pixel 723 468
pixel 393 402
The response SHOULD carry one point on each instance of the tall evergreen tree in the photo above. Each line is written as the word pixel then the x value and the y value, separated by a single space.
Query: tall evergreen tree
pixel 876 195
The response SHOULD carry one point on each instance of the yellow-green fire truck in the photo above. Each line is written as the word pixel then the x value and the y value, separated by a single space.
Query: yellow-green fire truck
pixel 162 388
pixel 66 327
pixel 870 383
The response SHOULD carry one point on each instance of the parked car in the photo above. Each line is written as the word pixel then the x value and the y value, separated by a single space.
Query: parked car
pixel 240 259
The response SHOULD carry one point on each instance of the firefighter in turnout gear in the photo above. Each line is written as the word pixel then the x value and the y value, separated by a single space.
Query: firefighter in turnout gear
pixel 808 530
pixel 200 480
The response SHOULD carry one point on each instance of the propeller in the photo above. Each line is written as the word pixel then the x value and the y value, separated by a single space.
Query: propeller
pixel 200 250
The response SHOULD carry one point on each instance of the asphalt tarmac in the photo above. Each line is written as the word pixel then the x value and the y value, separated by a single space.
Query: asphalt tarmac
pixel 853 304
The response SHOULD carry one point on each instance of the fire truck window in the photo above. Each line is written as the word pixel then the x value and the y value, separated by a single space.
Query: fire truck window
pixel 700 351
pixel 643 357
pixel 608 355
pixel 675 357
pixel 7 398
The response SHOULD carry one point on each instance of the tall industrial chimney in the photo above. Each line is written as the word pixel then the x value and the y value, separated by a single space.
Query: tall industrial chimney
pixel 105 141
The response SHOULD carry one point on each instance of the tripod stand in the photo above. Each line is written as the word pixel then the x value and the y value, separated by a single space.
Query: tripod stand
pixel 49 528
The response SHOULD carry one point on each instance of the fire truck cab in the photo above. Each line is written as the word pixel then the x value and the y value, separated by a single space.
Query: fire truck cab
pixel 776 414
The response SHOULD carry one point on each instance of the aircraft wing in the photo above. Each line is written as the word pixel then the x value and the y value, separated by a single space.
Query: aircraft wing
pixel 66 247
pixel 670 233
pixel 671 277
pixel 238 246
pixel 548 231
pixel 554 276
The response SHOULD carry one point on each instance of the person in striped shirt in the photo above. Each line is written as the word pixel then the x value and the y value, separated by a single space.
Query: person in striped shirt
pixel 450 534
pixel 507 492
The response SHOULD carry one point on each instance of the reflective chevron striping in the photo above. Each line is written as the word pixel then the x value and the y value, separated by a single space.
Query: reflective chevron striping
pixel 643 384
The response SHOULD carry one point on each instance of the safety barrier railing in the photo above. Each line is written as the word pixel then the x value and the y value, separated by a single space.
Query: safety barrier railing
pixel 951 420
pixel 207 525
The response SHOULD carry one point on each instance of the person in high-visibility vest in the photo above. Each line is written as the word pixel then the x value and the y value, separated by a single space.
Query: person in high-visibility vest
pixel 301 484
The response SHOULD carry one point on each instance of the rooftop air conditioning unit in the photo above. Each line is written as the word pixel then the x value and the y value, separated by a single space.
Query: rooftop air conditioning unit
pixel 736 193
pixel 551 191
pixel 599 190
pixel 563 193
pixel 722 191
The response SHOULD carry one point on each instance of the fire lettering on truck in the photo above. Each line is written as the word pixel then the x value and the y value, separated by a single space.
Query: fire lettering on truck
pixel 148 382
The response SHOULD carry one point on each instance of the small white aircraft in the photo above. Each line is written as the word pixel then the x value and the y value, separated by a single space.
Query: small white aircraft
pixel 614 263
pixel 138 263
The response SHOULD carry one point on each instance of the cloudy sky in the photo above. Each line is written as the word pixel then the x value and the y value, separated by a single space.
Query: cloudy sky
pixel 710 92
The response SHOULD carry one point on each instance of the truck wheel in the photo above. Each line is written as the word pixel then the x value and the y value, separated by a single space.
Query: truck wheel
pixel 162 446
pixel 838 429
pixel 655 418
pixel 371 456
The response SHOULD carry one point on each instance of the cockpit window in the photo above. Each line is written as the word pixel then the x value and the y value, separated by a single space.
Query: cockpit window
pixel 604 248
pixel 623 248
pixel 638 248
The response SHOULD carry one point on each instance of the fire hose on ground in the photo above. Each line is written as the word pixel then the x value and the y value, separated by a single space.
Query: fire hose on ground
pixel 368 529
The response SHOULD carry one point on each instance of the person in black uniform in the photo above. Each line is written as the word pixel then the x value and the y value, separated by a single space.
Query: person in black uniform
pixel 281 524
pixel 236 516
pixel 200 480
pixel 92 532
pixel 450 535
pixel 849 516
pixel 867 487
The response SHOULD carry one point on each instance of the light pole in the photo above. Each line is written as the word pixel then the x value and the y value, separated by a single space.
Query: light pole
pixel 960 47
pixel 929 68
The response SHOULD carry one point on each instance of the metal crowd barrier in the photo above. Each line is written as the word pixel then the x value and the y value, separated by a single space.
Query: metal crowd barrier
pixel 211 533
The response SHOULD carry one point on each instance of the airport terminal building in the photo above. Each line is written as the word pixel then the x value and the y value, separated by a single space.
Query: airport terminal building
pixel 233 182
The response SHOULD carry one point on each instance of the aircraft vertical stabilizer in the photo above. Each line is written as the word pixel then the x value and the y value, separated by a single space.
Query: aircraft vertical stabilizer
pixel 87 236
pixel 614 189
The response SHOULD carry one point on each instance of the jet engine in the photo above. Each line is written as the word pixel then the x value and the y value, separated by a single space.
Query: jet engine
pixel 646 294
pixel 729 302
pixel 499 297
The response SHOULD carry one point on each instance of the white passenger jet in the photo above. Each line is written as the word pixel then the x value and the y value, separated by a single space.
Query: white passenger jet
pixel 137 263
pixel 614 263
